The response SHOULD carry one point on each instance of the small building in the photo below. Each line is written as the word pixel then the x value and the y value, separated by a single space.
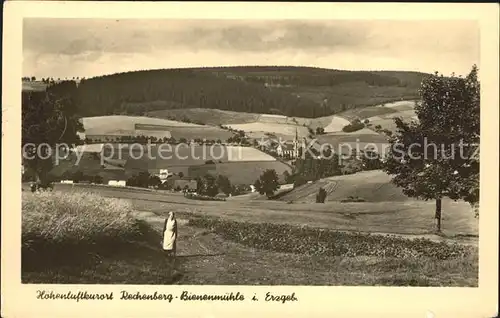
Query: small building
pixel 117 183
pixel 90 148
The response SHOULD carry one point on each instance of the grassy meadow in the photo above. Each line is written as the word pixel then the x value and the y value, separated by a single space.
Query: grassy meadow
pixel 85 234
pixel 75 235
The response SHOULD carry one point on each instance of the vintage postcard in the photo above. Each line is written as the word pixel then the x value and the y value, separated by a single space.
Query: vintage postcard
pixel 275 159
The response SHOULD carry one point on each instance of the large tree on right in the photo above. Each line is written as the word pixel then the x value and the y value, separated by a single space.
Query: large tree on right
pixel 437 155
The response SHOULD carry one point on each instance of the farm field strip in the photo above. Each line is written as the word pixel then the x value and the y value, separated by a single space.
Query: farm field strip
pixel 336 124
pixel 405 103
pixel 285 129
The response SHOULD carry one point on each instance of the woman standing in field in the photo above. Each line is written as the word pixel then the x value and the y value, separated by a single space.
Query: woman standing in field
pixel 170 234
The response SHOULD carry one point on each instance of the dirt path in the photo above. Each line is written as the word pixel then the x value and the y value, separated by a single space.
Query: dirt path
pixel 188 244
pixel 201 255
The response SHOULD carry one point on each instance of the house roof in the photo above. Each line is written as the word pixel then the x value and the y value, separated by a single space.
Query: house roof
pixel 288 147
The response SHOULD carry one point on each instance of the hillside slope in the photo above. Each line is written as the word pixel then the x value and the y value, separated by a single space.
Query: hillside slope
pixel 371 186
pixel 291 91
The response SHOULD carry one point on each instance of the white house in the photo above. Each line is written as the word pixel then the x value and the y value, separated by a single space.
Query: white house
pixel 117 183
pixel 95 148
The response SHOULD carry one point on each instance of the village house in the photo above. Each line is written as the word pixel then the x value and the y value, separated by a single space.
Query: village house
pixel 287 150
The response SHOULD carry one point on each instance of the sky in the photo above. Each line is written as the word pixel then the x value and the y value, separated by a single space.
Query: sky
pixel 92 47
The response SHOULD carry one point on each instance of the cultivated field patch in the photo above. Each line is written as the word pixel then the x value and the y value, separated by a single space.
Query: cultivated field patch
pixel 109 127
pixel 371 186
pixel 235 153
pixel 116 122
pixel 249 171
pixel 336 124
pixel 281 129
pixel 214 117
pixel 203 132
pixel 401 105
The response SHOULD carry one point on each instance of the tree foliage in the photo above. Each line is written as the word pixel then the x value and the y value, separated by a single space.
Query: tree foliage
pixel 48 118
pixel 267 183
pixel 207 185
pixel 241 89
pixel 224 184
pixel 436 156
pixel 313 168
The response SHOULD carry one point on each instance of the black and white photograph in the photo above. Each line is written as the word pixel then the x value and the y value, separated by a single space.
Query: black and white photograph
pixel 251 152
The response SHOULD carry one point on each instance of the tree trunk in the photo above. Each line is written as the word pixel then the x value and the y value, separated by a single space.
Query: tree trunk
pixel 438 214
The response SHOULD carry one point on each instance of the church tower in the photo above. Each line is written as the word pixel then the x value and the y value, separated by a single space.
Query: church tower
pixel 296 145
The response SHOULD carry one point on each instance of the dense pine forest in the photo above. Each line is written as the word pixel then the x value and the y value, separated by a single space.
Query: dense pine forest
pixel 291 91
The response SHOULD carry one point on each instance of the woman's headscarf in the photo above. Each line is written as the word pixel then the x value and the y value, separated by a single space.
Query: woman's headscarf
pixel 170 218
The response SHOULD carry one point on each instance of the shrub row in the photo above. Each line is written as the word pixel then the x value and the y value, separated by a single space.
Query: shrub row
pixel 352 199
pixel 315 241
pixel 194 196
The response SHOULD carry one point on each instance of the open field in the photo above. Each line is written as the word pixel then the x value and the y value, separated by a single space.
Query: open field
pixel 109 126
pixel 174 155
pixel 408 218
pixel 383 114
pixel 345 143
pixel 358 94
pixel 116 122
pixel 243 165
pixel 336 124
pixel 248 172
pixel 212 117
pixel 216 117
pixel 278 129
pixel 255 125
pixel 372 186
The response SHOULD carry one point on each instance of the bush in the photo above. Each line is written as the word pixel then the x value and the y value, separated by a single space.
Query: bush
pixel 194 196
pixel 97 179
pixel 142 180
pixel 314 241
pixel 240 189
pixel 352 199
pixel 298 181
pixel 321 196
pixel 355 126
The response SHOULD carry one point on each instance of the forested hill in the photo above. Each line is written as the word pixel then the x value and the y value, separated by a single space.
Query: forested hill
pixel 291 91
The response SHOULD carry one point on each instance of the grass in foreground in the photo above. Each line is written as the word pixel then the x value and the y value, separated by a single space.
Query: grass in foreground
pixel 84 238
pixel 206 253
